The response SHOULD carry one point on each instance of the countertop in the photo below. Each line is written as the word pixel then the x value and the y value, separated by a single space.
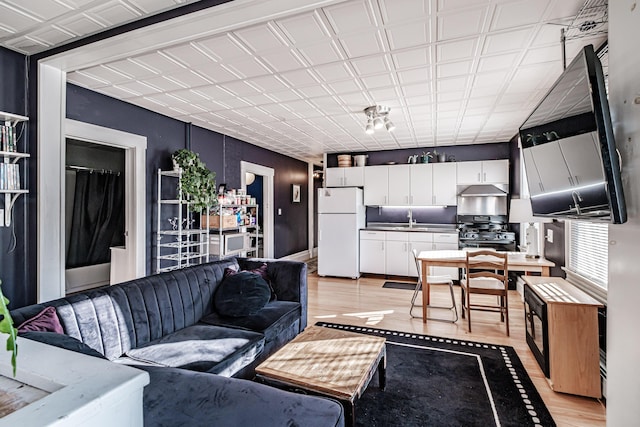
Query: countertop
pixel 423 228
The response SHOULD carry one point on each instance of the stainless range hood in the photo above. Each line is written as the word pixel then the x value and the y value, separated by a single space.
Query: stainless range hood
pixel 482 190
pixel 482 199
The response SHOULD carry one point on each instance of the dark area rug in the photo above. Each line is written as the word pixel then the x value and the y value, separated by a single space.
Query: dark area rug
pixel 434 381
pixel 399 285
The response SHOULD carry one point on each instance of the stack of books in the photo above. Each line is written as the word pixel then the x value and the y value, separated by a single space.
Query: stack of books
pixel 8 138
pixel 9 175
pixel 9 172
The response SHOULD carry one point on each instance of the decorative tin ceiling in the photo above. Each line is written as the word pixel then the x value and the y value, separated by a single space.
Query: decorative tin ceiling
pixel 297 81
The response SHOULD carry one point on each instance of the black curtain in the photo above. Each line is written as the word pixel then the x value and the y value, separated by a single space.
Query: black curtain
pixel 98 218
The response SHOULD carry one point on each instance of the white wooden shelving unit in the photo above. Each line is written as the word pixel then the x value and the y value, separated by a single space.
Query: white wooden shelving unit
pixel 11 157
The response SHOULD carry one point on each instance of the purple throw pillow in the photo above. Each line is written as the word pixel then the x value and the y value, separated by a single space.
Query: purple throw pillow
pixel 261 271
pixel 45 321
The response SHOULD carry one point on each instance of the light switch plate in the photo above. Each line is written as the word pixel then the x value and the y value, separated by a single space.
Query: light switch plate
pixel 1 217
pixel 279 211
pixel 550 235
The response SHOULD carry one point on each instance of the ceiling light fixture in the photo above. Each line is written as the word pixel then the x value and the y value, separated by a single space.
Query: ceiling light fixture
pixel 368 129
pixel 377 118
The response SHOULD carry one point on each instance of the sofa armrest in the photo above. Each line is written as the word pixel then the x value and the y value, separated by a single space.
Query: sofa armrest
pixel 288 278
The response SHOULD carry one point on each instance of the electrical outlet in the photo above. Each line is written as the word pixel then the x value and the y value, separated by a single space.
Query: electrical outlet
pixel 1 217
pixel 279 211
pixel 550 235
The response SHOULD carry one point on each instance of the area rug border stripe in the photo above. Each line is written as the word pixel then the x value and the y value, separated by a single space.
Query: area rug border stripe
pixel 473 355
pixel 504 351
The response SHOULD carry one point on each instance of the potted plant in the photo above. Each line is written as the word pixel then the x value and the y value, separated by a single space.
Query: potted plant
pixel 6 327
pixel 196 181
pixel 426 155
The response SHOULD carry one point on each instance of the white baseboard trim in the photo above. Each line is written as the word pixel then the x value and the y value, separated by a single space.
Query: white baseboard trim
pixel 300 256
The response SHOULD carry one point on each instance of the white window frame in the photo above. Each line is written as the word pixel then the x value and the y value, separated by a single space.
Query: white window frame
pixel 593 286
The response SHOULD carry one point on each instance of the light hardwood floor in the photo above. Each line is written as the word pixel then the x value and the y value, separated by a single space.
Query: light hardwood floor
pixel 365 302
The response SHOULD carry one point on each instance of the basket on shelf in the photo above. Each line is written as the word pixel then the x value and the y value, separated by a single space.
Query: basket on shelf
pixel 344 160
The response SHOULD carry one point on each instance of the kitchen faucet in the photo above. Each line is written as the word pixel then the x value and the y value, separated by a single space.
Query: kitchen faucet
pixel 410 216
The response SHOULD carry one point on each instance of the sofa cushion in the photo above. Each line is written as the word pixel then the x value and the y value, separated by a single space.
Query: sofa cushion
pixel 176 397
pixel 202 348
pixel 45 321
pixel 62 341
pixel 275 317
pixel 241 294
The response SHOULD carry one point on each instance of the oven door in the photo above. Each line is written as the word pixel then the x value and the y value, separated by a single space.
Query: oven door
pixel 535 312
pixel 488 244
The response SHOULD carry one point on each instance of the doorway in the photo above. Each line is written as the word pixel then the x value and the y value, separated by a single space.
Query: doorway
pixel 127 262
pixel 264 175
pixel 94 212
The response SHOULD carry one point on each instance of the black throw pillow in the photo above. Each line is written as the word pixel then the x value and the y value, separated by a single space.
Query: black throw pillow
pixel 261 271
pixel 241 294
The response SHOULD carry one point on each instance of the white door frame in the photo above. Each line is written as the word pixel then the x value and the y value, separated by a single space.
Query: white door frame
pixel 53 129
pixel 267 209
pixel 131 258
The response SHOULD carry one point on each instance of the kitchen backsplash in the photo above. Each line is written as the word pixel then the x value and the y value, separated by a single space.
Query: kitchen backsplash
pixel 445 215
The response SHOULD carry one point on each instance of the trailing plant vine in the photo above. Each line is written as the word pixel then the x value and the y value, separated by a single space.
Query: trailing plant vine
pixel 6 327
pixel 198 182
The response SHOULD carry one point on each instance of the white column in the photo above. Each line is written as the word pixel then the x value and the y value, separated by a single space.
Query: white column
pixel 623 316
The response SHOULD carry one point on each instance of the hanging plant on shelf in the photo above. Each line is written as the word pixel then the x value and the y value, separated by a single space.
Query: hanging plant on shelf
pixel 196 181
pixel 6 327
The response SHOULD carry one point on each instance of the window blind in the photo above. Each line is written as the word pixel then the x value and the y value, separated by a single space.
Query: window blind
pixel 589 251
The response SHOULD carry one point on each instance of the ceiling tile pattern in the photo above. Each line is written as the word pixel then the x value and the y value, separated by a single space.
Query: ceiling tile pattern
pixel 452 71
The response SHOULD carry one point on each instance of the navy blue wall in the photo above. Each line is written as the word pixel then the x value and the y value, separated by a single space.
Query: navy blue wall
pixel 222 154
pixel 458 153
pixel 14 264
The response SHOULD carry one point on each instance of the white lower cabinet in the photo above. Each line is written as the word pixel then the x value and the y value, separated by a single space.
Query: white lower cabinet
pixel 448 242
pixel 372 252
pixel 390 252
pixel 397 253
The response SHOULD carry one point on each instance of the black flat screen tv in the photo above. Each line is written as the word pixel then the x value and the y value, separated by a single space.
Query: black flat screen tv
pixel 570 156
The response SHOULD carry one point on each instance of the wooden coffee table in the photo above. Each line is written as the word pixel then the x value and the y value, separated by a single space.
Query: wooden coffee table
pixel 329 362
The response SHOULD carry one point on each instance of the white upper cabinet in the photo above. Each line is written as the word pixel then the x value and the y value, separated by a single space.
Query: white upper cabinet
pixel 421 182
pixel 399 186
pixel 444 184
pixel 484 172
pixel 345 177
pixel 376 185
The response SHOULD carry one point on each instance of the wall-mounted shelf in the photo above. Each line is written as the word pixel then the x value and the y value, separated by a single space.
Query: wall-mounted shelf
pixel 9 168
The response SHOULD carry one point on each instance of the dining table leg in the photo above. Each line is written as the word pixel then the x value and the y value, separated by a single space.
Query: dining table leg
pixel 425 290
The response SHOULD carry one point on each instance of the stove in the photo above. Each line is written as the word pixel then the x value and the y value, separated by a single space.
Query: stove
pixel 485 231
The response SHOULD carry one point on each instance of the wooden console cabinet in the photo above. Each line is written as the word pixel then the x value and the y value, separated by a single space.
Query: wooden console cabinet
pixel 572 328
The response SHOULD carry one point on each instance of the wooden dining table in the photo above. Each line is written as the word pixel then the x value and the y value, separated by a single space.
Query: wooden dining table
pixel 517 261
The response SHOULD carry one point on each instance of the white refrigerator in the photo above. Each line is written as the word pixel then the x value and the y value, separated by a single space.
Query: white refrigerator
pixel 341 215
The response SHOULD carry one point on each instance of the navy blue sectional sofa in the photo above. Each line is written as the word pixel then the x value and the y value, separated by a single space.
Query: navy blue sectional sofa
pixel 198 360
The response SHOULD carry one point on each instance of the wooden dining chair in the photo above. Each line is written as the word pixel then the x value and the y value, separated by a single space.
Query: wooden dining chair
pixel 486 273
pixel 433 280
